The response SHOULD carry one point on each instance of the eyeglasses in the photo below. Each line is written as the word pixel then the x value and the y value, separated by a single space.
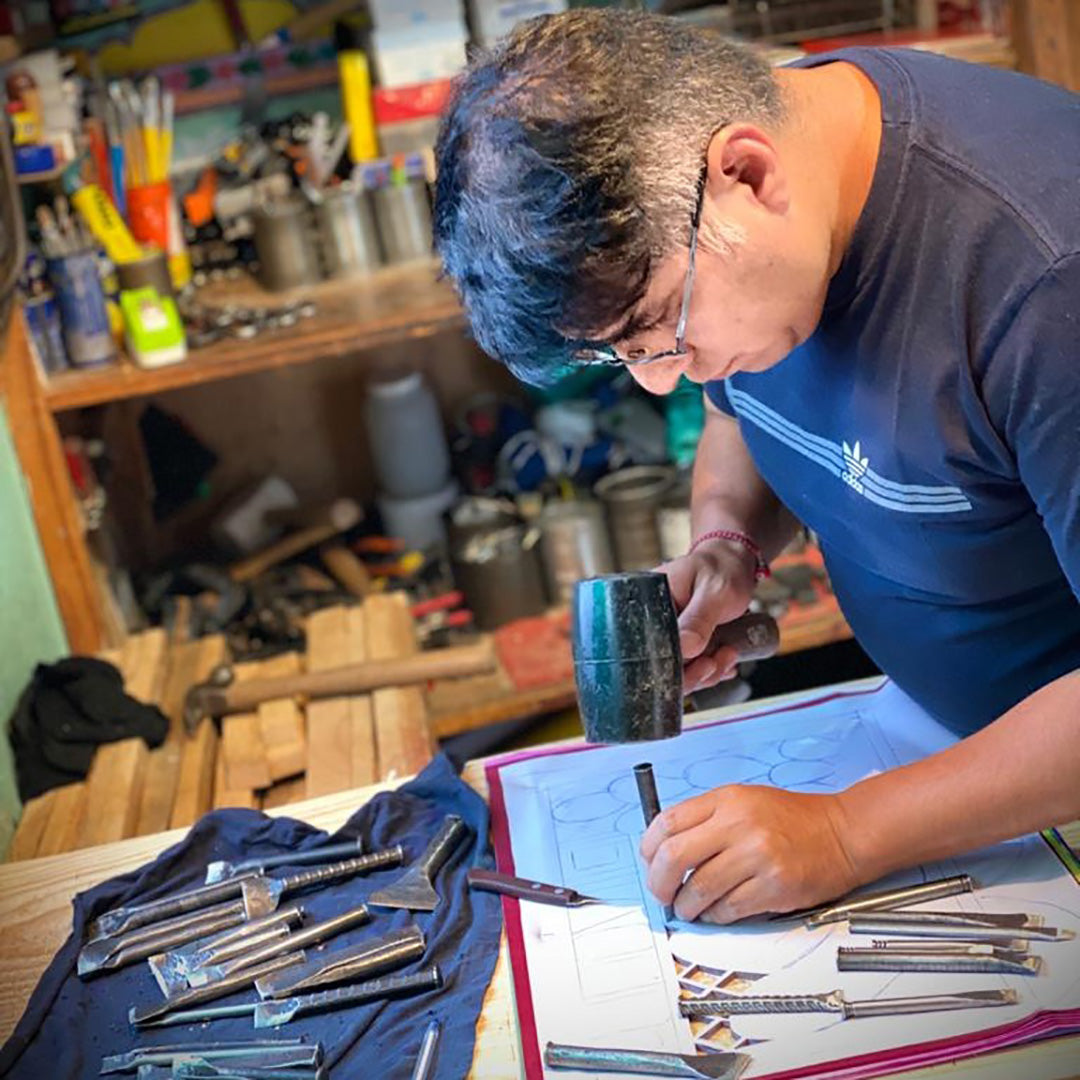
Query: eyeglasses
pixel 639 357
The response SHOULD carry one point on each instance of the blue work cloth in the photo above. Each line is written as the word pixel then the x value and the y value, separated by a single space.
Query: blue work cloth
pixel 71 1023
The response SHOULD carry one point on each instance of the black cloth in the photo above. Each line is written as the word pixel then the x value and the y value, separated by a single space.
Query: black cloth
pixel 66 712
pixel 70 1024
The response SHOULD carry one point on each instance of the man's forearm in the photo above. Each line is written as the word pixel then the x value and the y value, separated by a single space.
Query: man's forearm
pixel 728 493
pixel 1016 776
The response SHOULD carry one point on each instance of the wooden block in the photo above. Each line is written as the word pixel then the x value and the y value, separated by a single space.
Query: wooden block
pixel 195 787
pixel 244 753
pixel 282 727
pixel 144 665
pixel 225 796
pixel 31 828
pixel 114 789
pixel 335 637
pixel 65 821
pixel 389 627
pixel 331 730
pixel 402 731
pixel 284 793
pixel 189 663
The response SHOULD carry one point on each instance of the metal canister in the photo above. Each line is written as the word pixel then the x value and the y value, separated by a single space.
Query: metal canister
pixel 673 520
pixel 632 497
pixel 498 570
pixel 404 218
pixel 350 241
pixel 287 256
pixel 87 336
pixel 574 544
pixel 152 269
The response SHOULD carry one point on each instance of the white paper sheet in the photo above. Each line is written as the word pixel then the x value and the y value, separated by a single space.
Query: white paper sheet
pixel 604 975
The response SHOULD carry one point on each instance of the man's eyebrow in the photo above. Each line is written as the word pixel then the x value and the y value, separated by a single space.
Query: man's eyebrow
pixel 632 323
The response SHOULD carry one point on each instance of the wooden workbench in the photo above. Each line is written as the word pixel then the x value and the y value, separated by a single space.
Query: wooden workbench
pixel 35 912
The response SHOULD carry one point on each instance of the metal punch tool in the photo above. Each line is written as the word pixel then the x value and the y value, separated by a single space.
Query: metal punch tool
pixel 958 926
pixel 885 900
pixel 960 961
pixel 285 1053
pixel 223 869
pixel 835 1003
pixel 722 1066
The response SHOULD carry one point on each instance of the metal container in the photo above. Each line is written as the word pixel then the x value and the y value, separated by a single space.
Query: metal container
pixel 87 336
pixel 283 241
pixel 574 544
pixel 350 240
pixel 627 662
pixel 404 218
pixel 151 270
pixel 673 520
pixel 499 572
pixel 632 497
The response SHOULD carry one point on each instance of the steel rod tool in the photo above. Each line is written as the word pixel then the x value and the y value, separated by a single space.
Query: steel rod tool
pixel 223 869
pixel 835 1002
pixel 724 1066
pixel 524 889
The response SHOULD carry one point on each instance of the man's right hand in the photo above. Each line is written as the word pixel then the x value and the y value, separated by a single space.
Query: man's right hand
pixel 711 586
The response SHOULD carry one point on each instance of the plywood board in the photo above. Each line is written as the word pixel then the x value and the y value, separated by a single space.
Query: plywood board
pixel 114 788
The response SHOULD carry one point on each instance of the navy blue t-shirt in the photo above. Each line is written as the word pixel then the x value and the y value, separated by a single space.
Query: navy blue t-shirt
pixel 929 430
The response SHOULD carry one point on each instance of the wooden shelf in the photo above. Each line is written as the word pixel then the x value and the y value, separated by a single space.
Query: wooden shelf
pixel 391 305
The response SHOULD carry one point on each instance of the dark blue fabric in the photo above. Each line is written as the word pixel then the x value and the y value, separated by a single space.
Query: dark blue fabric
pixel 929 430
pixel 70 1024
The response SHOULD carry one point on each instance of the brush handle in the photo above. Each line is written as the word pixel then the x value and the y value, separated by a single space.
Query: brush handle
pixel 362 864
pixel 453 831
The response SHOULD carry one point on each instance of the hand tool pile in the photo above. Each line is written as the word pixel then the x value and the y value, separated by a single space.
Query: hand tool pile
pixel 233 935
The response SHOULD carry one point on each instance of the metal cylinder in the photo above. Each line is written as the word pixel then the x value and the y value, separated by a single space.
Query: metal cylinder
pixel 673 520
pixel 347 232
pixel 87 336
pixel 574 544
pixel 404 219
pixel 499 572
pixel 283 241
pixel 152 269
pixel 632 497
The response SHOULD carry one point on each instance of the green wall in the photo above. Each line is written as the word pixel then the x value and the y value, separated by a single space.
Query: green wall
pixel 30 627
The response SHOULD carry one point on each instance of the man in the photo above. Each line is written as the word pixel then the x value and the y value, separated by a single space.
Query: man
pixel 871 262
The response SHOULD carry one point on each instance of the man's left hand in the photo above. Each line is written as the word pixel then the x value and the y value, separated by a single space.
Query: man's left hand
pixel 751 850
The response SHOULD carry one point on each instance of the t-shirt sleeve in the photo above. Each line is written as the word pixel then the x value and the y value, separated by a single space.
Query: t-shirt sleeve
pixel 716 392
pixel 1032 389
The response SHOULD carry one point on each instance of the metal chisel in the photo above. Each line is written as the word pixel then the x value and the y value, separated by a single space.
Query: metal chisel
pixel 960 961
pixel 222 869
pixel 722 1066
pixel 956 926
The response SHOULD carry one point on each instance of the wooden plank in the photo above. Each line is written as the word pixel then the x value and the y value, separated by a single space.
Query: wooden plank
pixel 402 731
pixel 31 827
pixel 244 753
pixel 144 665
pixel 284 793
pixel 281 722
pixel 226 796
pixel 390 630
pixel 114 788
pixel 65 821
pixel 195 784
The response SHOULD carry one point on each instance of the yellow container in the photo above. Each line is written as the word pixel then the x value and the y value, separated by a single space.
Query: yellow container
pixel 97 210
pixel 356 102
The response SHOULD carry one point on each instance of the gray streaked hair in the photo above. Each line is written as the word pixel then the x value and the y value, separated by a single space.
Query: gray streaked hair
pixel 567 167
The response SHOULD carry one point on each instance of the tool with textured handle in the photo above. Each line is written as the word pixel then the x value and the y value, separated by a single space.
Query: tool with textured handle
pixel 997 962
pixel 885 900
pixel 834 1002
pixel 223 869
pixel 170 969
pixel 724 1066
pixel 108 953
pixel 523 889
pixel 310 935
pixel 986 948
pixel 415 889
pixel 957 927
pixel 276 1013
pixel 260 894
pixel 237 981
pixel 359 961
pixel 286 1053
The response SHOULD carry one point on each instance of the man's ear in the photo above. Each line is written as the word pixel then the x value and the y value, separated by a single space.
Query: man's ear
pixel 745 163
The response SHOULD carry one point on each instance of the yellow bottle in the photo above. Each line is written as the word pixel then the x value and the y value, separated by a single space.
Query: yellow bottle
pixel 356 102
pixel 97 210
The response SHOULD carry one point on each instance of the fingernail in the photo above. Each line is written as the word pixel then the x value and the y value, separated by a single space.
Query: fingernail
pixel 690 642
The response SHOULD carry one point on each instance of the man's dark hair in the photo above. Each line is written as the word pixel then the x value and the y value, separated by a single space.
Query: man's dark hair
pixel 566 168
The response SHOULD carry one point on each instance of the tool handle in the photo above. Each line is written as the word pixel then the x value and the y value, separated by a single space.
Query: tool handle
pixel 521 888
pixel 362 864
pixel 754 636
pixel 452 832
pixel 832 1002
pixel 601 1059
pixel 975 999
pixel 301 858
pixel 428 979
pixel 890 899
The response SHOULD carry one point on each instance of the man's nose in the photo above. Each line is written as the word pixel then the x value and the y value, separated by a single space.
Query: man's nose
pixel 660 377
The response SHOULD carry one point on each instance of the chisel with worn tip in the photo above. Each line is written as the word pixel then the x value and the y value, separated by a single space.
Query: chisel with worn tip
pixel 198 1068
pixel 957 963
pixel 301 939
pixel 415 889
pixel 109 953
pixel 834 1002
pixel 362 960
pixel 275 1013
pixel 884 900
pixel 237 981
pixel 722 1066
pixel 291 1051
pixel 942 925
pixel 986 948
pixel 222 869
pixel 200 1015
pixel 170 969
pixel 260 894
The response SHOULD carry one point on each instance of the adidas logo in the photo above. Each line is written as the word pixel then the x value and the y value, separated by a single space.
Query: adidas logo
pixel 855 466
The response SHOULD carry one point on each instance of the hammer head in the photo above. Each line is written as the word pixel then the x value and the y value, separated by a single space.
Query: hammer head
pixel 207 699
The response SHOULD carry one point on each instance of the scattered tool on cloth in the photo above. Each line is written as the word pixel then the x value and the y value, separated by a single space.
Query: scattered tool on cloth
pixel 956 925
pixel 885 900
pixel 196 1068
pixel 283 1053
pixel 722 1066
pixel 960 961
pixel 260 894
pixel 222 695
pixel 524 889
pixel 415 889
pixel 835 1002
pixel 222 869
pixel 429 1046
pixel 311 935
pixel 278 1012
